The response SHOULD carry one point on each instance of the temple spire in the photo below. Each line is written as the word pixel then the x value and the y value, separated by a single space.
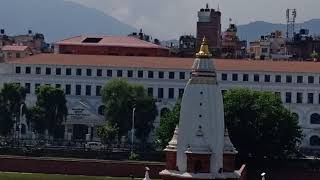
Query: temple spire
pixel 204 49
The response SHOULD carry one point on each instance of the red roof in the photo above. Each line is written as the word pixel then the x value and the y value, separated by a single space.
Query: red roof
pixel 119 41
pixel 14 48
pixel 169 63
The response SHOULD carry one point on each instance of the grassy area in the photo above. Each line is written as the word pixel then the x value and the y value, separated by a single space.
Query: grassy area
pixel 31 176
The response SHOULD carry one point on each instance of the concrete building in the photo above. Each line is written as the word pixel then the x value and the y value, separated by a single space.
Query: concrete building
pixel 209 26
pixel 271 46
pixel 82 76
pixel 109 45
pixel 187 46
pixel 11 52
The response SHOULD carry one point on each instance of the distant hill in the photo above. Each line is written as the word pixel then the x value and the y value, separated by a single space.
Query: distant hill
pixel 57 19
pixel 254 30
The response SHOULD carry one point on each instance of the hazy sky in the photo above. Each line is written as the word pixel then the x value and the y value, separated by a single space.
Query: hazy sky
pixel 168 19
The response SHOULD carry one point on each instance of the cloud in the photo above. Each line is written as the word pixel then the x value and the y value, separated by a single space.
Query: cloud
pixel 168 19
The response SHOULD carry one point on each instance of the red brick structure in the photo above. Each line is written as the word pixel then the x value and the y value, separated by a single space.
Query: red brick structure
pixel 109 45
pixel 209 25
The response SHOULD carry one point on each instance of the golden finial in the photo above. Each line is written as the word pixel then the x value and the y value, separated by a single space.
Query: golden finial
pixel 204 50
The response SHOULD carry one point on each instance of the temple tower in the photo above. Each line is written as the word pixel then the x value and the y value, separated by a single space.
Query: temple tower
pixel 201 147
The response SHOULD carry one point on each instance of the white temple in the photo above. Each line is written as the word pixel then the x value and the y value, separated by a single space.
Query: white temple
pixel 201 147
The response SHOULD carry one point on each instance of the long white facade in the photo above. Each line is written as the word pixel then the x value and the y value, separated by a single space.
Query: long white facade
pixel 300 92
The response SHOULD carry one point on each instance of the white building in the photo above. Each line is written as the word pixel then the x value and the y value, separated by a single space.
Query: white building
pixel 82 76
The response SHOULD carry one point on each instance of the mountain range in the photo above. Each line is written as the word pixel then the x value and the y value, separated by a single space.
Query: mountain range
pixel 59 19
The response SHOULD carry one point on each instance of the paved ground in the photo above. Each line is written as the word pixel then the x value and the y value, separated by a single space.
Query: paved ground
pixel 30 176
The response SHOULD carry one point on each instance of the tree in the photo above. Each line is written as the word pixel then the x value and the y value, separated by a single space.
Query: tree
pixel 168 122
pixel 52 103
pixel 259 125
pixel 36 117
pixel 107 133
pixel 315 55
pixel 12 96
pixel 120 98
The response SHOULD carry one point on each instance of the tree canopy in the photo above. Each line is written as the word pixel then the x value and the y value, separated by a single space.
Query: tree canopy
pixel 168 122
pixel 50 110
pixel 12 96
pixel 259 125
pixel 120 98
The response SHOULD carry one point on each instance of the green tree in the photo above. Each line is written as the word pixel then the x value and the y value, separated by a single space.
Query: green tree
pixel 315 55
pixel 52 102
pixel 120 98
pixel 12 96
pixel 36 117
pixel 107 133
pixel 168 122
pixel 259 125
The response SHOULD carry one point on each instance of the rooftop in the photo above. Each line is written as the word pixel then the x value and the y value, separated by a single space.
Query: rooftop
pixel 169 63
pixel 119 41
pixel 14 48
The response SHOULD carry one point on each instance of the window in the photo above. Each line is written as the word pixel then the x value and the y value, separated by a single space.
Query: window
pixel 38 70
pixel 234 77
pixel 79 72
pixel 28 70
pixel 150 74
pixel 310 98
pixel 89 72
pixel 36 87
pixel 310 79
pixel 27 86
pixel 48 71
pixel 288 97
pixel 161 75
pixel 160 93
pixel 278 78
pixel 18 55
pixel 224 77
pixel 68 89
pixel 58 86
pixel 171 75
pixel 256 78
pixel 181 91
pixel 98 90
pixel 68 71
pixel 315 141
pixel 99 72
pixel 278 94
pixel 267 78
pixel 109 73
pixel 150 91
pixel 119 73
pixel 182 75
pixel 299 98
pixel 130 73
pixel 315 118
pixel 245 77
pixel 101 110
pixel 58 71
pixel 18 70
pixel 140 74
pixel 299 79
pixel 264 50
pixel 78 90
pixel 289 79
pixel 88 90
pixel 171 93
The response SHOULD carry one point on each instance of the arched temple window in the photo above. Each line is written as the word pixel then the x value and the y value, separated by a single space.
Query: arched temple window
pixel 315 118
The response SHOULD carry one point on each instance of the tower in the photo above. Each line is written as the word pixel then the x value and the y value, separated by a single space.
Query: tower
pixel 209 26
pixel 200 147
pixel 291 15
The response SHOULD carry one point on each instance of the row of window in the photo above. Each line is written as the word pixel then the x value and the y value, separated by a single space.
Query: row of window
pixel 267 78
pixel 300 98
pixel 68 88
pixel 99 73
